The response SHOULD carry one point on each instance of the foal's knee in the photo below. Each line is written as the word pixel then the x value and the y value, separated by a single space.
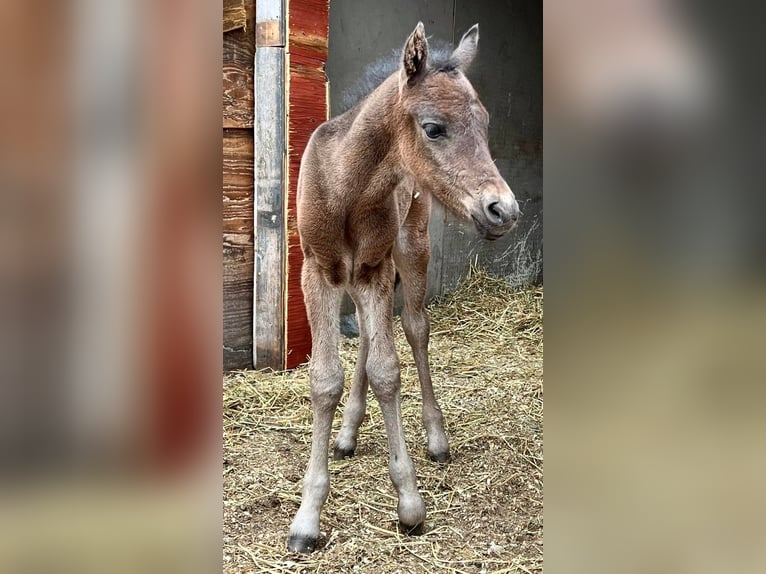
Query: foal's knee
pixel 383 374
pixel 416 325
pixel 326 384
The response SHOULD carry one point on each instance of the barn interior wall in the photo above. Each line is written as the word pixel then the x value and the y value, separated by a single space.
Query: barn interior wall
pixel 508 77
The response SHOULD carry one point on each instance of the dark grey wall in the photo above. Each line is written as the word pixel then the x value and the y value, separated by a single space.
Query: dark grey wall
pixel 508 77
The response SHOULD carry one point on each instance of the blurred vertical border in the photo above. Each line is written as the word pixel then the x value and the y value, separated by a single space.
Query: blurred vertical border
pixel 655 287
pixel 110 286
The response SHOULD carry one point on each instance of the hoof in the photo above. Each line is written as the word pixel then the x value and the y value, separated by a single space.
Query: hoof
pixel 302 544
pixel 440 457
pixel 342 453
pixel 416 530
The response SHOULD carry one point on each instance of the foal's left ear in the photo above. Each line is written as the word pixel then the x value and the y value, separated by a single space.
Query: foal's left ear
pixel 415 55
pixel 466 51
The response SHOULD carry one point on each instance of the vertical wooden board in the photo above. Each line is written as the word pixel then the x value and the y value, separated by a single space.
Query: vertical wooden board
pixel 309 28
pixel 270 10
pixel 269 315
pixel 234 15
pixel 307 46
pixel 237 248
pixel 250 10
pixel 238 150
pixel 308 109
pixel 238 79
pixel 238 179
pixel 237 306
pixel 270 22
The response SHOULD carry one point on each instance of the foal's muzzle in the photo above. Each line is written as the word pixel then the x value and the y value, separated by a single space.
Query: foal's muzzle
pixel 499 213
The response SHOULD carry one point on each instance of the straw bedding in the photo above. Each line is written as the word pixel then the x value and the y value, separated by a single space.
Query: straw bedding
pixel 484 509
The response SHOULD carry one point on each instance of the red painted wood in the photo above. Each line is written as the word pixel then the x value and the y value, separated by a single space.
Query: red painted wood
pixel 309 24
pixel 307 101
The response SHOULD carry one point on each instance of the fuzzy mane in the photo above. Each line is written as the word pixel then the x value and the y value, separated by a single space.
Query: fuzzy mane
pixel 438 61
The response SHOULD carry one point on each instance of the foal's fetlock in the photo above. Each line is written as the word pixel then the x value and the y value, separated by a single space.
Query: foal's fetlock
pixel 345 442
pixel 438 446
pixel 438 450
pixel 412 514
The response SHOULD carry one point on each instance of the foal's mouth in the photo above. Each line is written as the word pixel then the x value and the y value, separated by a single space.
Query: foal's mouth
pixel 490 232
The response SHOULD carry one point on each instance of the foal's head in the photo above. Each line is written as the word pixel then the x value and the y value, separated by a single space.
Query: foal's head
pixel 444 136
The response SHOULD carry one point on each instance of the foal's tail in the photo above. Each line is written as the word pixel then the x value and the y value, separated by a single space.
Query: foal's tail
pixel 397 280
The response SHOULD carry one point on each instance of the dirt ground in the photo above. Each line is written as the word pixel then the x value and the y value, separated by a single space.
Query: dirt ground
pixel 484 508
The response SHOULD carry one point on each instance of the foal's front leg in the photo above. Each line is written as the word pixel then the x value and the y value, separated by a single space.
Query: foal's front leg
pixel 411 254
pixel 326 375
pixel 375 299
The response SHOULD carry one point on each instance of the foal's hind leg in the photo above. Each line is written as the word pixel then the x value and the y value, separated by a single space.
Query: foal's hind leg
pixel 411 254
pixel 353 413
pixel 374 294
pixel 326 375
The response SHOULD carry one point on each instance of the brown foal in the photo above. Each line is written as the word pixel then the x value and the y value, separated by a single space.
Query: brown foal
pixel 364 199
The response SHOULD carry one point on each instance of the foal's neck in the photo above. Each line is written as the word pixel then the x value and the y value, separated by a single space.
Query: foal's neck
pixel 381 102
pixel 373 138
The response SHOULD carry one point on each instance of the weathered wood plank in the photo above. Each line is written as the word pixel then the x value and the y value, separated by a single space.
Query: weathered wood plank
pixel 269 317
pixel 238 79
pixel 234 15
pixel 238 248
pixel 269 23
pixel 237 306
pixel 238 150
pixel 238 183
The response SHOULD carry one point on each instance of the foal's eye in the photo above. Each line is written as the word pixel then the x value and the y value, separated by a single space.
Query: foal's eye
pixel 433 131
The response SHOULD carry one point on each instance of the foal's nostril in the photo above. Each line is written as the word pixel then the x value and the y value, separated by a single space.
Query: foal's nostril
pixel 500 211
pixel 496 213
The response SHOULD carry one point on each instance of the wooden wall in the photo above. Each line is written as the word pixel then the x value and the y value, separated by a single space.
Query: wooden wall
pixel 238 153
pixel 268 118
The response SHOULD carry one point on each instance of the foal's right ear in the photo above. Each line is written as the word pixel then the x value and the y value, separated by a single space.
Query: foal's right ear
pixel 415 55
pixel 466 50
